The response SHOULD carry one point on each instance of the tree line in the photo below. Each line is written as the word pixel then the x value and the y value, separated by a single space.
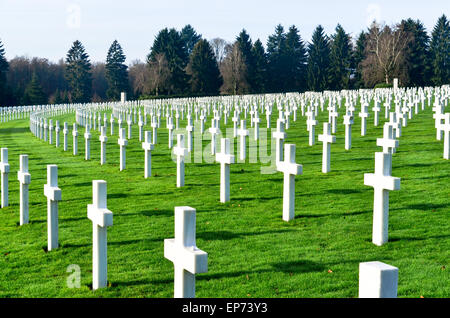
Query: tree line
pixel 182 63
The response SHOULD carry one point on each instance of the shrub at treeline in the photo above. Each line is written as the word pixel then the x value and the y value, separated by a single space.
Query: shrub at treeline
pixel 182 64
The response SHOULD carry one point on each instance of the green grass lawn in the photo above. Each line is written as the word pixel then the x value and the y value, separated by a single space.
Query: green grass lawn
pixel 252 252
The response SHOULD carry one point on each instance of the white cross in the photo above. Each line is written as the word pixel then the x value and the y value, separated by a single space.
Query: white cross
pixel 225 158
pixel 148 147
pixel 119 121
pixel 376 108
pixel 235 120
pixel 87 142
pixel 213 130
pixel 45 130
pixel 290 170
pixel 105 120
pixel 311 124
pixel 154 125
pixel 382 182
pixel 24 179
pixel 141 125
pixel 326 138
pixel 202 122
pixel 170 128
pixel 182 251
pixel 279 136
pixel 446 129
pixel 129 122
pixel 112 124
pixel 243 132
pixel 53 194
pixel 438 117
pixel 65 133
pixel 256 121
pixel 4 169
pixel 180 151
pixel 333 115
pixel 75 139
pixel 103 139
pixel 395 123
pixel 123 142
pixel 50 127
pixel 57 129
pixel 348 122
pixel 268 114
pixel 101 218
pixel 388 142
pixel 363 114
pixel 189 129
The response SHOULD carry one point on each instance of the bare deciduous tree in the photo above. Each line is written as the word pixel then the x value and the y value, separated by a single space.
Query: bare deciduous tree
pixel 138 75
pixel 234 72
pixel 219 47
pixel 385 50
pixel 159 74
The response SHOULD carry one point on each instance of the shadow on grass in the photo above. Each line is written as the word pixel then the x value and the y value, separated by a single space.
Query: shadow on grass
pixel 227 235
pixel 140 282
pixel 426 206
pixel 343 191
pixel 300 216
pixel 412 239
pixel 302 266
pixel 284 267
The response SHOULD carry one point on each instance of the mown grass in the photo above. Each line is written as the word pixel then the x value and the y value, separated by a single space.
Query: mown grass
pixel 252 252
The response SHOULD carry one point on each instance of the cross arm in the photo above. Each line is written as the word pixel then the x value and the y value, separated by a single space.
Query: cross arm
pixel 190 258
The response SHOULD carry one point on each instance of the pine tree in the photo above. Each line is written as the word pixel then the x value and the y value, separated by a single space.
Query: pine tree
pixel 245 45
pixel 78 73
pixel 170 44
pixel 34 94
pixel 116 72
pixel 440 51
pixel 358 57
pixel 295 61
pixel 3 70
pixel 340 59
pixel 319 61
pixel 277 66
pixel 260 71
pixel 190 38
pixel 204 73
pixel 417 55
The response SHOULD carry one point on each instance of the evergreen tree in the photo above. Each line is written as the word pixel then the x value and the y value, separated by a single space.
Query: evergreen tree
pixel 78 73
pixel 319 61
pixel 358 57
pixel 245 45
pixel 440 51
pixel 260 71
pixel 170 44
pixel 204 73
pixel 190 38
pixel 295 61
pixel 34 94
pixel 277 66
pixel 417 56
pixel 340 59
pixel 3 70
pixel 116 72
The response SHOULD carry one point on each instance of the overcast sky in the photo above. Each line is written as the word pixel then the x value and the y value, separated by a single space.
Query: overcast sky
pixel 47 28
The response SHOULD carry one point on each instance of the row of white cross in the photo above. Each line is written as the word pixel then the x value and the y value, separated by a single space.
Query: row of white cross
pixel 182 250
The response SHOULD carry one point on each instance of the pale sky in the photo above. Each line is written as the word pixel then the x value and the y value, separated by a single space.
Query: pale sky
pixel 47 28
